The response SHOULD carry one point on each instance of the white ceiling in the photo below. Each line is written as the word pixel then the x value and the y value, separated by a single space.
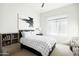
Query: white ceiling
pixel 47 6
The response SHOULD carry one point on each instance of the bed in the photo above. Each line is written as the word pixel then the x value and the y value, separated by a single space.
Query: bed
pixel 40 45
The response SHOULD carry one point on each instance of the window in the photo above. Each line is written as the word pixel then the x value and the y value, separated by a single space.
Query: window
pixel 58 26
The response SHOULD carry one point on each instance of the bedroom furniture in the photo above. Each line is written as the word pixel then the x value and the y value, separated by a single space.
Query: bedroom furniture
pixel 25 44
pixel 35 51
pixel 75 50
pixel 9 38
pixel 74 46
pixel 0 46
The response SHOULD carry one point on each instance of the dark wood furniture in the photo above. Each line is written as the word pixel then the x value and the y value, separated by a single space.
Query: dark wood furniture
pixel 0 46
pixel 9 38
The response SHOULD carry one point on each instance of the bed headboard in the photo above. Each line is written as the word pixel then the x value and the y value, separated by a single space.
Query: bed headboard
pixel 23 30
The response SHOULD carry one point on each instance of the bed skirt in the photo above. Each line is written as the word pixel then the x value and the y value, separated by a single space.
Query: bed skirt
pixel 35 51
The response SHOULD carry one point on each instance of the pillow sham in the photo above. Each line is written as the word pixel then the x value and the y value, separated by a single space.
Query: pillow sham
pixel 26 34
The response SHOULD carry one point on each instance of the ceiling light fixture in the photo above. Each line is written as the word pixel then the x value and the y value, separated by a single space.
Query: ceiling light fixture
pixel 42 5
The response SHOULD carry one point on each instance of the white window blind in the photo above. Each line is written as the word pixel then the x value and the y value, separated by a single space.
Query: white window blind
pixel 58 25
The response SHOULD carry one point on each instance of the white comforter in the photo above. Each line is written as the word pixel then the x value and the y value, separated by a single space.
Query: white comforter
pixel 43 44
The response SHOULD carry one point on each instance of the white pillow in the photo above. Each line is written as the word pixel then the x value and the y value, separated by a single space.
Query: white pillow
pixel 26 34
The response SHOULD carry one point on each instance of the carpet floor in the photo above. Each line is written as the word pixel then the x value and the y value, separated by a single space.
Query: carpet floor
pixel 15 50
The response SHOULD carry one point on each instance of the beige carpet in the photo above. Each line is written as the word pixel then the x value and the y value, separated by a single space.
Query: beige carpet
pixel 62 50
pixel 14 50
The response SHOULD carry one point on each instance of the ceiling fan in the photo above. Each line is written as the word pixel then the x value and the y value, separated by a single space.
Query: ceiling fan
pixel 42 5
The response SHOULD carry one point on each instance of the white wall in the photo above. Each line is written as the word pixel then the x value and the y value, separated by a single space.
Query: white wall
pixel 0 16
pixel 71 11
pixel 78 15
pixel 9 20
